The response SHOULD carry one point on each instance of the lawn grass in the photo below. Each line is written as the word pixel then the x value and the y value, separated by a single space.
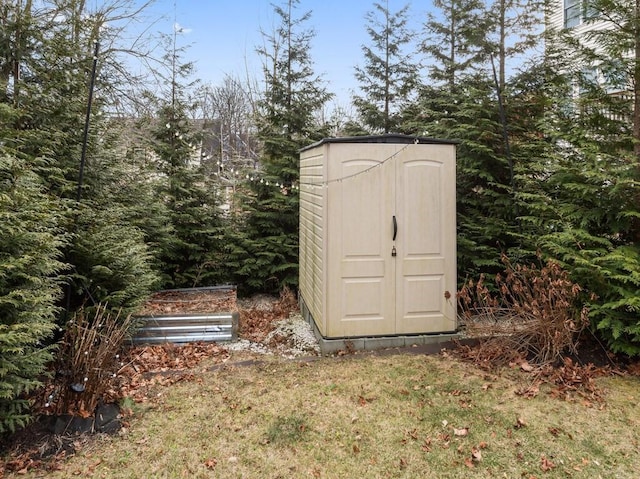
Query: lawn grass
pixel 397 416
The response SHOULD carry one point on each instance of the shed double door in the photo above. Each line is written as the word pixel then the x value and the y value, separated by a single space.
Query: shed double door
pixel 391 222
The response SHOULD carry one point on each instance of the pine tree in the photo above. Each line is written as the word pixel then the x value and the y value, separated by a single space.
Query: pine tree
pixel 30 266
pixel 116 226
pixel 48 89
pixel 43 84
pixel 465 100
pixel 533 92
pixel 266 256
pixel 123 176
pixel 191 202
pixel 468 111
pixel 388 77
pixel 593 178
pixel 615 51
pixel 112 265
pixel 187 256
pixel 510 31
pixel 451 39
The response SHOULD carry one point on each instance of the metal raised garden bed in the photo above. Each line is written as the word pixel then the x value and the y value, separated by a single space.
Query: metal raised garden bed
pixel 189 315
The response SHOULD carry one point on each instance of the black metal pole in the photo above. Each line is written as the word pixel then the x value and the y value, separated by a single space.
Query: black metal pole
pixel 83 155
pixel 85 139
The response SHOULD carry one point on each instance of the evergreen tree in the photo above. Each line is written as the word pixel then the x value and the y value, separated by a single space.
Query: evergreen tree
pixel 112 265
pixel 462 105
pixel 615 51
pixel 593 178
pixel 266 256
pixel 485 207
pixel 48 87
pixel 191 202
pixel 47 79
pixel 190 196
pixel 510 31
pixel 117 226
pixel 465 102
pixel 451 39
pixel 388 77
pixel 124 176
pixel 533 92
pixel 46 59
pixel 30 265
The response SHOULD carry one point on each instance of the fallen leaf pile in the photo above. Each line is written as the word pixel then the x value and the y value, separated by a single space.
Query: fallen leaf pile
pixel 144 368
pixel 571 379
pixel 257 322
pixel 26 461
pixel 167 356
pixel 147 366
pixel 222 300
pixel 488 355
pixel 568 381
pixel 162 364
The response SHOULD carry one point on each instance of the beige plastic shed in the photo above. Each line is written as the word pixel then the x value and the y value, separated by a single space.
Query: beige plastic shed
pixel 378 236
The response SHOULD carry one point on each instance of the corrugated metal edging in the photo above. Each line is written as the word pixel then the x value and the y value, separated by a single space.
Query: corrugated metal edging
pixel 222 287
pixel 185 328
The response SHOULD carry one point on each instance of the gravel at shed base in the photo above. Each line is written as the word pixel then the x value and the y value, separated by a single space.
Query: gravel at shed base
pixel 291 338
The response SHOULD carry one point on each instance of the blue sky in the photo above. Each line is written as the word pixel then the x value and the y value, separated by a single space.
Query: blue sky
pixel 222 35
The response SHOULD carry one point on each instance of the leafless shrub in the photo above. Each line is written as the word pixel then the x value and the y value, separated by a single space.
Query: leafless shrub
pixel 532 312
pixel 88 362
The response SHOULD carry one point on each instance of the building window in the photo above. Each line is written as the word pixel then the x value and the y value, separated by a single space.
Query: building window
pixel 615 75
pixel 590 11
pixel 588 79
pixel 572 13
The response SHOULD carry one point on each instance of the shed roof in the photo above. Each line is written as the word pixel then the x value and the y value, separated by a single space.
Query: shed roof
pixel 387 138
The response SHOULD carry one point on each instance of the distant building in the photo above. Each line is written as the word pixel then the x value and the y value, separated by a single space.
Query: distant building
pixel 229 157
pixel 577 18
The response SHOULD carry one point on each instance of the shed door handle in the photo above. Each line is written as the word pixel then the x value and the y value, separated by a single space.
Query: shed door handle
pixel 395 227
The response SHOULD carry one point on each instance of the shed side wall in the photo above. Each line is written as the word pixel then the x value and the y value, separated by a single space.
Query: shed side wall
pixel 312 232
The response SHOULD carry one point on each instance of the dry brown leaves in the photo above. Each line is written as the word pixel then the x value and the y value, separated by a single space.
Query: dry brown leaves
pixel 197 301
pixel 488 354
pixel 159 365
pixel 143 369
pixel 257 322
pixel 529 310
pixel 36 448
pixel 573 380
pixel 568 381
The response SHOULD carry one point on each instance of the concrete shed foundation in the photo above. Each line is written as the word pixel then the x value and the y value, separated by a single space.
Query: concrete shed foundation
pixel 330 346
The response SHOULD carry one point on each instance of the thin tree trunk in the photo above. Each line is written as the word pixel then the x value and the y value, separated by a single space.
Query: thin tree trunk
pixel 635 227
pixel 502 57
pixel 636 89
pixel 16 54
pixel 452 52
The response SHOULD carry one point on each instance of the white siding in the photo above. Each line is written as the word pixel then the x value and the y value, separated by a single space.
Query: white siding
pixel 555 20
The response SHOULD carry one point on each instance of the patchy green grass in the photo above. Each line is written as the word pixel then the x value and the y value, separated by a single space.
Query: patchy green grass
pixel 370 417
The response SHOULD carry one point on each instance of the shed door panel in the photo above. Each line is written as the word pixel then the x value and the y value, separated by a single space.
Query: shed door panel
pixel 365 286
pixel 426 245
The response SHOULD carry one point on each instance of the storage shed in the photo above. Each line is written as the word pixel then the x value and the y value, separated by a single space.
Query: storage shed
pixel 378 236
